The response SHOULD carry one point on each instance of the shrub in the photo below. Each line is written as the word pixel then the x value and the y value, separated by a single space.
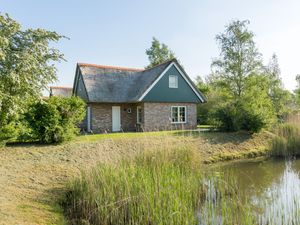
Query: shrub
pixel 228 118
pixel 240 115
pixel 55 120
pixel 16 130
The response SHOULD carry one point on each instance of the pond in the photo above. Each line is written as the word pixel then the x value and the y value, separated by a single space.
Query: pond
pixel 267 192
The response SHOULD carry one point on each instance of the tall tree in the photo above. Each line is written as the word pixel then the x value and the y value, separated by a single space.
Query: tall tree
pixel 281 98
pixel 26 65
pixel 239 57
pixel 238 79
pixel 158 53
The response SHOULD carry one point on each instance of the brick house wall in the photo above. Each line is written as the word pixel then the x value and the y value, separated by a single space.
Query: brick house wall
pixel 101 117
pixel 157 116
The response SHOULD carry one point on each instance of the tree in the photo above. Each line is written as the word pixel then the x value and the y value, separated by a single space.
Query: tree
pixel 281 98
pixel 26 66
pixel 158 53
pixel 239 57
pixel 202 86
pixel 239 84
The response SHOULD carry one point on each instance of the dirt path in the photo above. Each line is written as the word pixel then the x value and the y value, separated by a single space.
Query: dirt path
pixel 33 178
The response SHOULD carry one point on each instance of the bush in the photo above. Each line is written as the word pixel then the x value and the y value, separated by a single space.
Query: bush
pixel 16 130
pixel 55 120
pixel 241 116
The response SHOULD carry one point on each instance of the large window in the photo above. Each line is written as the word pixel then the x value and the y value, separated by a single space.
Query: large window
pixel 178 114
pixel 173 81
pixel 139 114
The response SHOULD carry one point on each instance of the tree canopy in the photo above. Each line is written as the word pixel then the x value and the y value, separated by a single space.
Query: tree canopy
pixel 158 53
pixel 26 66
pixel 242 93
pixel 239 57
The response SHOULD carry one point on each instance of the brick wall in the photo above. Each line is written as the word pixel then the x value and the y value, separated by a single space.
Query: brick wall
pixel 101 117
pixel 157 116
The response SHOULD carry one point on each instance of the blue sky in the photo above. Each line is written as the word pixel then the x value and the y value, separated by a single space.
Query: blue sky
pixel 118 32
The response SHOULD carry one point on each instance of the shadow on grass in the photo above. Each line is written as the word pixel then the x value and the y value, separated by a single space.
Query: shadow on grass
pixel 217 137
pixel 30 144
pixel 50 203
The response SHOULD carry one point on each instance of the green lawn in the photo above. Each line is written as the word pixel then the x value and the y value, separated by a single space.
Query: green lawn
pixel 95 137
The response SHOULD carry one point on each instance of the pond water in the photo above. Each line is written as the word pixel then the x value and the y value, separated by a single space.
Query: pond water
pixel 267 190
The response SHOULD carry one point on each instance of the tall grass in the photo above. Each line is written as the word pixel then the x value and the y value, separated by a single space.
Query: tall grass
pixel 155 188
pixel 286 142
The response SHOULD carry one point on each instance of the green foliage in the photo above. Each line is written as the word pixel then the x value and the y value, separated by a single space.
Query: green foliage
pixel 158 53
pixel 8 132
pixel 243 94
pixel 55 120
pixel 239 57
pixel 282 100
pixel 26 66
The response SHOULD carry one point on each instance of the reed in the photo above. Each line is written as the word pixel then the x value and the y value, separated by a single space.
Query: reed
pixel 154 188
pixel 286 142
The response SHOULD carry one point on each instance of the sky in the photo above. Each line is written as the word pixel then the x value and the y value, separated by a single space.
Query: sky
pixel 117 32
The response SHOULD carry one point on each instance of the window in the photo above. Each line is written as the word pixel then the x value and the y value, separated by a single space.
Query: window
pixel 178 114
pixel 139 114
pixel 173 81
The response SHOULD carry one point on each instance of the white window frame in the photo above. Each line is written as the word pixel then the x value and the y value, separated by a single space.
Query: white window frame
pixel 178 114
pixel 138 118
pixel 175 85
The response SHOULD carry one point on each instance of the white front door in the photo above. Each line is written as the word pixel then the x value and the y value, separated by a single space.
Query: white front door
pixel 116 118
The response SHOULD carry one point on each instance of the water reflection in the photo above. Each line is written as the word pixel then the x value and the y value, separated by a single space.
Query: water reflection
pixel 271 188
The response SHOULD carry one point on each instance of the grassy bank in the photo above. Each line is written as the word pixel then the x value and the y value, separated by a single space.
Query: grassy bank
pixel 34 177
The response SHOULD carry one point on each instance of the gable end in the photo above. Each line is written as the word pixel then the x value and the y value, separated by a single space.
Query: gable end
pixel 186 83
pixel 79 88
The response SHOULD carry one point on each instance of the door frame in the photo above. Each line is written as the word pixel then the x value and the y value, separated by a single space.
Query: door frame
pixel 112 117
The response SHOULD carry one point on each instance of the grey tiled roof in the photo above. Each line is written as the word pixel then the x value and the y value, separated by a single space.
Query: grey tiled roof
pixel 61 91
pixel 114 84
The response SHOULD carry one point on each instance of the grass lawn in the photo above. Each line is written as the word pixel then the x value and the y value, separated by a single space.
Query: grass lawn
pixel 33 177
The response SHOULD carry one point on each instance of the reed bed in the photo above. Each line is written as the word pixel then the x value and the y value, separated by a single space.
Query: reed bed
pixel 154 188
pixel 286 142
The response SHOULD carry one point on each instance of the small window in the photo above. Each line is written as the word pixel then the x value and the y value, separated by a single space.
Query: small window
pixel 173 81
pixel 178 114
pixel 139 114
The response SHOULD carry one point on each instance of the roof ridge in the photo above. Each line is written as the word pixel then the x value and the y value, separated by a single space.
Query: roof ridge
pixel 109 67
pixel 61 87
pixel 168 61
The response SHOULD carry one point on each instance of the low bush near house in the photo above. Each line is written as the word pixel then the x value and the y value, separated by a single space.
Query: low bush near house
pixel 55 120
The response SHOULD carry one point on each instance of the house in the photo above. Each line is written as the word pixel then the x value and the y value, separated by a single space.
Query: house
pixel 126 99
pixel 61 91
